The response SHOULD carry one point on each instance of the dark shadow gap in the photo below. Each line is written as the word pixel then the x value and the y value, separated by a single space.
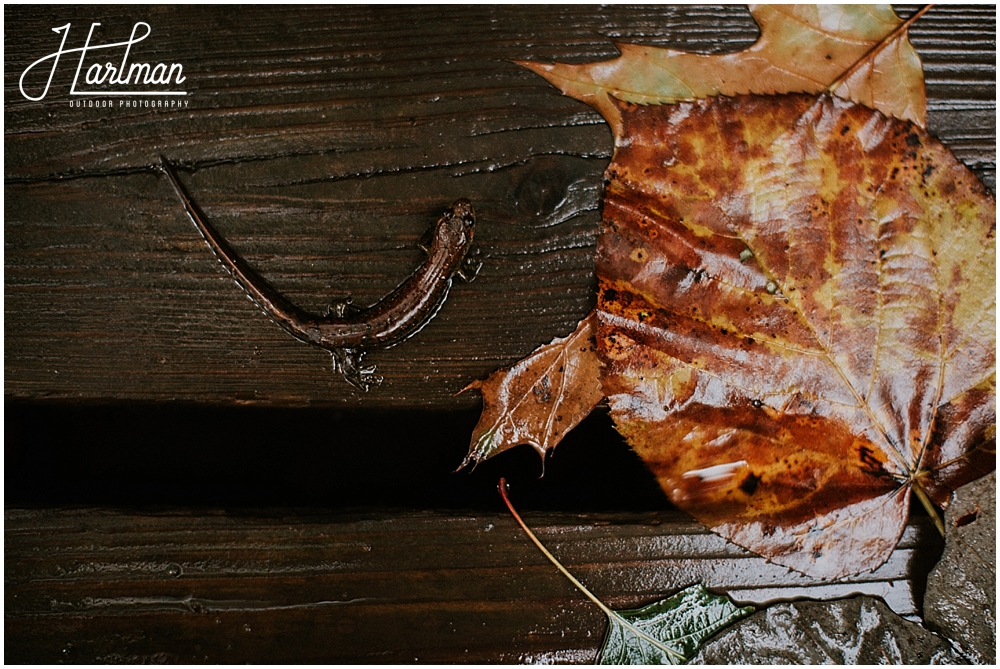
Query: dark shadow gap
pixel 142 455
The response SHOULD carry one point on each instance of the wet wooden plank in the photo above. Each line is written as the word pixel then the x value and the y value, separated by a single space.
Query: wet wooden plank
pixel 100 585
pixel 323 141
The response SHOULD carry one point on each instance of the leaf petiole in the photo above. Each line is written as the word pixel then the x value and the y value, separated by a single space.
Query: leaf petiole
pixel 612 615
pixel 921 494
pixel 502 487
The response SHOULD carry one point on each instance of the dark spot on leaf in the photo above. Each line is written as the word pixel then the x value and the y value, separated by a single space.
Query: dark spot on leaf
pixel 868 458
pixel 543 390
pixel 912 140
pixel 749 484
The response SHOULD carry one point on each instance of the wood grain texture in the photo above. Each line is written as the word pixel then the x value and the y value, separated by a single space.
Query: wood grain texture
pixel 103 586
pixel 323 142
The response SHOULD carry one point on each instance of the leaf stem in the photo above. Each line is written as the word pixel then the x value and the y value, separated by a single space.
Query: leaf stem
pixel 932 511
pixel 612 615
pixel 502 487
pixel 875 50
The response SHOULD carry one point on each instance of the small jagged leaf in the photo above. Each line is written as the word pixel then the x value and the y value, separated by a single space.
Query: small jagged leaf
pixel 669 631
pixel 541 398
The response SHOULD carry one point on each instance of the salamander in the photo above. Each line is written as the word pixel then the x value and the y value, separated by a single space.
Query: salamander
pixel 346 330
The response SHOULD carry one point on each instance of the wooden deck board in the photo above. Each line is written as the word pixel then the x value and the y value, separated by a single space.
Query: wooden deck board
pixel 323 142
pixel 272 586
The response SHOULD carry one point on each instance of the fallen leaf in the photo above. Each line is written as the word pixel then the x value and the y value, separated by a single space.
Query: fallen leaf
pixel 797 292
pixel 796 316
pixel 859 630
pixel 961 598
pixel 541 398
pixel 802 49
pixel 668 631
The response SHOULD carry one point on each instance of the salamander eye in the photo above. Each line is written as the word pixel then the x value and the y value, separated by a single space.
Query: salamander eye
pixel 462 208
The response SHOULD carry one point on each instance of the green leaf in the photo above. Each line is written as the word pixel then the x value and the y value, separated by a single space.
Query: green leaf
pixel 669 631
pixel 665 632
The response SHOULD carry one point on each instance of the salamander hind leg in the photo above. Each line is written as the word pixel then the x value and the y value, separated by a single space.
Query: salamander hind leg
pixel 347 361
pixel 342 308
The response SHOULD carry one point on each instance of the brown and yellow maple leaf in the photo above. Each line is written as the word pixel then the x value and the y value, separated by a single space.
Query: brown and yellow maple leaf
pixel 802 49
pixel 797 292
pixel 796 316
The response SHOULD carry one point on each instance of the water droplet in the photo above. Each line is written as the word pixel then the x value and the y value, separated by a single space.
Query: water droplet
pixel 246 627
pixel 772 287
pixel 174 570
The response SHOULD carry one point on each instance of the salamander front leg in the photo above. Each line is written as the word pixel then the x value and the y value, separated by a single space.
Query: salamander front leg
pixel 425 241
pixel 347 361
pixel 470 267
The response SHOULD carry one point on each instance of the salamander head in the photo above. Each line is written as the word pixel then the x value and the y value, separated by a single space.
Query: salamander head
pixel 456 226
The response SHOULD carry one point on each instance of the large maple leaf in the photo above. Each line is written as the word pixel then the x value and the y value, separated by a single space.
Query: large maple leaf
pixel 797 292
pixel 796 313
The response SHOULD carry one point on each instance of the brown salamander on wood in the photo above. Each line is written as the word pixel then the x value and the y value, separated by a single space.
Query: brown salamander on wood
pixel 347 331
